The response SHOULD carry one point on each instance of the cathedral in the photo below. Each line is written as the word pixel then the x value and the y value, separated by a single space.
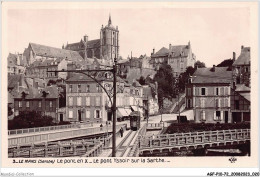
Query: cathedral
pixel 107 47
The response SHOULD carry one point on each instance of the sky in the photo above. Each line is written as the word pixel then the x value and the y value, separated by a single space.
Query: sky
pixel 214 33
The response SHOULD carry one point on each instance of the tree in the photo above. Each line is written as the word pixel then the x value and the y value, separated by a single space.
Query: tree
pixel 166 83
pixel 184 77
pixel 199 64
pixel 30 120
pixel 51 82
pixel 142 80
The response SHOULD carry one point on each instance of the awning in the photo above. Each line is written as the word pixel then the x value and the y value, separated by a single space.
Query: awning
pixel 135 108
pixel 121 112
pixel 128 111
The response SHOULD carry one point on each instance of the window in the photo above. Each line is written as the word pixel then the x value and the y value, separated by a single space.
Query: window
pixel 218 115
pixel 226 102
pixel 98 114
pixel 97 101
pixel 79 88
pixel 87 101
pixel 182 66
pixel 202 103
pixel 189 91
pixel 79 100
pixel 20 104
pixel 202 115
pixel 217 102
pixel 87 114
pixel 236 104
pixel 70 101
pixel 50 104
pixel 70 88
pixel 71 114
pixel 40 104
pixel 87 88
pixel 16 113
pixel 27 104
pixel 217 91
pixel 98 88
pixel 203 91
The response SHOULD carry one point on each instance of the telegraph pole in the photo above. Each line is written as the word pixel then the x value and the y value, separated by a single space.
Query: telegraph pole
pixel 114 109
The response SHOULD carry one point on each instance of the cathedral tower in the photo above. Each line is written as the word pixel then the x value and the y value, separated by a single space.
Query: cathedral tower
pixel 109 41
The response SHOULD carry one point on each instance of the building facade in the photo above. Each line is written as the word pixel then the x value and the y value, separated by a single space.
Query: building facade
pixel 209 95
pixel 179 57
pixel 45 101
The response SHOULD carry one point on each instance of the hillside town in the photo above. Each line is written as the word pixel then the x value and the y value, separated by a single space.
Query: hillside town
pixel 47 88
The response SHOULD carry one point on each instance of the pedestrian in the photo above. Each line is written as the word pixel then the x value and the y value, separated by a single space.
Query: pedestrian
pixel 121 132
pixel 101 127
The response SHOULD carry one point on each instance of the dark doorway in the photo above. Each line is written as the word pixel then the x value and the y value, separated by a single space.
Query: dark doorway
pixel 61 117
pixel 189 103
pixel 236 117
pixel 79 113
pixel 109 116
pixel 226 116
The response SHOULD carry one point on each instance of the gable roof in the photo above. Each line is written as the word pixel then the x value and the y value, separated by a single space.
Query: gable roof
pixel 53 52
pixel 12 59
pixel 33 93
pixel 205 75
pixel 80 45
pixel 244 57
pixel 14 80
pixel 179 50
pixel 162 52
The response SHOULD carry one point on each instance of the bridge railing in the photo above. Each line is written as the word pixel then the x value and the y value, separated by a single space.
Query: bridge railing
pixel 41 137
pixel 87 148
pixel 42 129
pixel 192 138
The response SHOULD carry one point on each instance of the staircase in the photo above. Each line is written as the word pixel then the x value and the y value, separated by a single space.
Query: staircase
pixel 174 108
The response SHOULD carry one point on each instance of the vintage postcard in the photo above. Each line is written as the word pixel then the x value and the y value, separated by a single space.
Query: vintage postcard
pixel 130 84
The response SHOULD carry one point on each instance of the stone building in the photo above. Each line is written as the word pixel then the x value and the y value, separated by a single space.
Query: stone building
pixel 241 67
pixel 45 101
pixel 107 47
pixel 209 95
pixel 43 58
pixel 179 57
pixel 15 64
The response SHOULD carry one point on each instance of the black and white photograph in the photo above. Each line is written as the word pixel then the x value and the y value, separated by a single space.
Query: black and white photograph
pixel 116 81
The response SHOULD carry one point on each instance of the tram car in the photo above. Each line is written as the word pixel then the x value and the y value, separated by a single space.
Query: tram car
pixel 135 118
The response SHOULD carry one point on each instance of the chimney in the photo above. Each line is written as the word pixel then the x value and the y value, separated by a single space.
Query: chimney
pixel 170 46
pixel 153 50
pixel 85 38
pixel 63 46
pixel 242 47
pixel 234 56
pixel 213 69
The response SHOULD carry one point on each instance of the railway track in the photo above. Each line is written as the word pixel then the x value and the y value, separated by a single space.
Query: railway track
pixel 125 145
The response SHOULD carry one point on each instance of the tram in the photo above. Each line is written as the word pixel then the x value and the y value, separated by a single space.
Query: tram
pixel 135 118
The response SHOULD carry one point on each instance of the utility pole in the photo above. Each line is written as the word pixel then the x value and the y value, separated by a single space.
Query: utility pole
pixel 114 109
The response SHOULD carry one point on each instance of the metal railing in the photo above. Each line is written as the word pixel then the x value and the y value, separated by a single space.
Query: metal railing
pixel 60 134
pixel 194 138
pixel 42 129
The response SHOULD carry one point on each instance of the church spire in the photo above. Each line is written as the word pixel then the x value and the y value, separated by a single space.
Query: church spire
pixel 109 21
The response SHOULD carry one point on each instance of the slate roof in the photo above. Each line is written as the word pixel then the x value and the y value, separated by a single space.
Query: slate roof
pixel 90 44
pixel 53 52
pixel 82 77
pixel 205 75
pixel 246 96
pixel 178 50
pixel 161 53
pixel 33 93
pixel 13 80
pixel 244 57
pixel 242 88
